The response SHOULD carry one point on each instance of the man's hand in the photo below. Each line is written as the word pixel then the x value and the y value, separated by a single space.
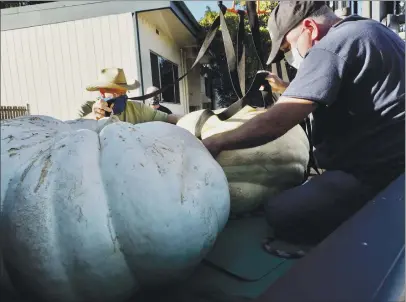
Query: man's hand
pixel 213 144
pixel 100 108
pixel 278 85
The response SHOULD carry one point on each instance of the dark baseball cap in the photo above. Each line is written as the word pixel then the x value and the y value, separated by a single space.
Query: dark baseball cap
pixel 285 17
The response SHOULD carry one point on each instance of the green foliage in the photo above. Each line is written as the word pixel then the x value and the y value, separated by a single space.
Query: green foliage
pixel 219 71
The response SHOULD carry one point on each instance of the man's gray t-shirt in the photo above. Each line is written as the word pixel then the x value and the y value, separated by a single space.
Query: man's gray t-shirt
pixel 356 74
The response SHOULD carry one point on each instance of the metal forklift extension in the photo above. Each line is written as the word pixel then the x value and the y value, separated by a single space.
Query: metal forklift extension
pixel 363 260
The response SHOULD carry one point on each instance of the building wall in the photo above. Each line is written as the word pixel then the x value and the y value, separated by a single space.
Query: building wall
pixel 194 88
pixel 49 66
pixel 52 51
pixel 378 10
pixel 63 11
pixel 166 48
pixel 204 97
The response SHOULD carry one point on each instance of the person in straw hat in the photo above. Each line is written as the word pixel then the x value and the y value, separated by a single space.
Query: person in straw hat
pixel 112 83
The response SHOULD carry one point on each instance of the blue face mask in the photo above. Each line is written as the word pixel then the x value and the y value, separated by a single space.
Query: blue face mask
pixel 119 104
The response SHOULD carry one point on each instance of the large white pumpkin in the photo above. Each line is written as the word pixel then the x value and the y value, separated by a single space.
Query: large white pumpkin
pixel 93 210
pixel 256 174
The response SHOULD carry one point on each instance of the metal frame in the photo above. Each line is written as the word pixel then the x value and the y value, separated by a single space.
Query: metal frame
pixel 363 260
pixel 160 78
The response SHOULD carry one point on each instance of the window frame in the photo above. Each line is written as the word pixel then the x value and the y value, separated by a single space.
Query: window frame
pixel 176 86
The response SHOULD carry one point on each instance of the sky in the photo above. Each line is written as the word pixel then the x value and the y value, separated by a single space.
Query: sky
pixel 199 7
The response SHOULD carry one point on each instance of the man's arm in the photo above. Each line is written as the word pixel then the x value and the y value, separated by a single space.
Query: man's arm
pixel 268 126
pixel 315 83
pixel 173 118
pixel 150 115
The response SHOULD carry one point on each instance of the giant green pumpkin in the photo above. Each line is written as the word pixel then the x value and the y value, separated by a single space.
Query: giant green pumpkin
pixel 256 174
pixel 94 210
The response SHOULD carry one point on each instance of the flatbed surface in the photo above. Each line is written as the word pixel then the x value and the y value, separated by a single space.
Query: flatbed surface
pixel 238 265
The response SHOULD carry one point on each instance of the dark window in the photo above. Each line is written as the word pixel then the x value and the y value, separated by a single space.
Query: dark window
pixel 175 76
pixel 207 87
pixel 390 7
pixel 163 73
pixel 206 106
pixel 194 108
pixel 155 70
pixel 399 7
pixel 354 7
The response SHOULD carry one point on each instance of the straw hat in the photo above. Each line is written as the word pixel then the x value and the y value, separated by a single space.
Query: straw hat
pixel 113 78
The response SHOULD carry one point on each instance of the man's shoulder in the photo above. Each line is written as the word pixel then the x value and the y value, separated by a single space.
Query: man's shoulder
pixel 135 104
pixel 354 27
pixel 135 109
pixel 352 36
pixel 138 107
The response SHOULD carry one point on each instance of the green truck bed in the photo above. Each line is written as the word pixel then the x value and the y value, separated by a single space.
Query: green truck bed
pixel 238 265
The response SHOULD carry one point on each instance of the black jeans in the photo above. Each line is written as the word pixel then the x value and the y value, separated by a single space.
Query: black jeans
pixel 310 212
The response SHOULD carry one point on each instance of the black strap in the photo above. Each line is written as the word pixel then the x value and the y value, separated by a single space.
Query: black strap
pixel 230 54
pixel 290 71
pixel 205 46
pixel 241 50
pixel 232 65
pixel 259 80
pixel 307 127
pixel 236 71
pixel 254 25
pixel 312 160
pixel 268 96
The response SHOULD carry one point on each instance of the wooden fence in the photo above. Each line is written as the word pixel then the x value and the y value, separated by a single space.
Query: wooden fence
pixel 8 112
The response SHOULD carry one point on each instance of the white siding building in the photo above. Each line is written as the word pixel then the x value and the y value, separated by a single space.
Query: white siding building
pixel 50 52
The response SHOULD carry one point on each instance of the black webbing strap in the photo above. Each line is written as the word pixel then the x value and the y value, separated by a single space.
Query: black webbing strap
pixel 254 25
pixel 230 53
pixel 232 62
pixel 241 50
pixel 307 127
pixel 236 68
pixel 205 46
pixel 312 160
pixel 232 66
pixel 268 96
pixel 259 79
